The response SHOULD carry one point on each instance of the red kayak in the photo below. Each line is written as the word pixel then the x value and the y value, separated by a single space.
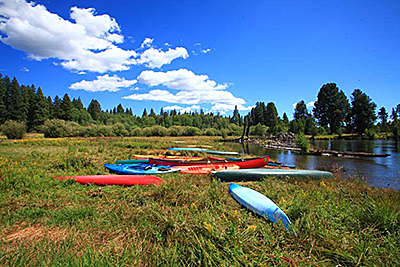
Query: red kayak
pixel 243 164
pixel 206 169
pixel 114 179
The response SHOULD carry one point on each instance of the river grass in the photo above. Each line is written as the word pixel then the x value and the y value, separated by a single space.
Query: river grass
pixel 187 221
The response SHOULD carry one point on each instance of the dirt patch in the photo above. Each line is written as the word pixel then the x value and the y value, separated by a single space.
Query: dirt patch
pixel 35 233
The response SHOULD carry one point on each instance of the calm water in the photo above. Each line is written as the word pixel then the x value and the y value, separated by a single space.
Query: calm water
pixel 379 172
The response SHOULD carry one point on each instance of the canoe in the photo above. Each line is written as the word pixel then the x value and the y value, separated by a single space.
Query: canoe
pixel 167 157
pixel 132 161
pixel 245 164
pixel 206 169
pixel 139 169
pixel 203 150
pixel 259 204
pixel 258 174
pixel 114 179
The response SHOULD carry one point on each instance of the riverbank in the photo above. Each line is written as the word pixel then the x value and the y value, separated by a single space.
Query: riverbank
pixel 188 220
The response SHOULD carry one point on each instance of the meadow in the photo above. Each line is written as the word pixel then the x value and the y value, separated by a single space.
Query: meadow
pixel 190 220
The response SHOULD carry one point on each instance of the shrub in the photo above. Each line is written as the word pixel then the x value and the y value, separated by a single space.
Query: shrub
pixel 191 131
pixel 175 131
pixel 136 132
pixel 119 129
pixel 210 132
pixel 260 130
pixel 13 129
pixel 369 134
pixel 55 128
pixel 224 133
pixel 302 142
pixel 158 131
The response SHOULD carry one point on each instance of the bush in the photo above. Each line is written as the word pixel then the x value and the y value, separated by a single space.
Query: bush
pixel 191 131
pixel 136 132
pixel 369 134
pixel 13 129
pixel 158 131
pixel 224 133
pixel 55 128
pixel 210 132
pixel 175 131
pixel 119 129
pixel 260 130
pixel 302 142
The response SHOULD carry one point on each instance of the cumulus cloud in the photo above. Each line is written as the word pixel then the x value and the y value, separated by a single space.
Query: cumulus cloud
pixel 25 69
pixel 310 105
pixel 182 109
pixel 103 83
pixel 86 43
pixel 192 90
pixel 181 79
pixel 156 58
pixel 147 43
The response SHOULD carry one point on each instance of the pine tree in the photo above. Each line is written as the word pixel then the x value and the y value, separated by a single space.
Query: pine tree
pixel 94 110
pixel 3 107
pixel 16 108
pixel 362 111
pixel 144 113
pixel 271 117
pixel 300 111
pixel 31 106
pixel 383 117
pixel 120 109
pixel 77 103
pixel 57 112
pixel 41 109
pixel 66 108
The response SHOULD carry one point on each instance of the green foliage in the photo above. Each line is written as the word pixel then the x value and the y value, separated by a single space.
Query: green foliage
pixel 331 107
pixel 300 111
pixel 175 131
pixel 191 131
pixel 119 129
pixel 13 129
pixel 369 133
pixel 210 132
pixel 303 143
pixel 260 130
pixel 362 111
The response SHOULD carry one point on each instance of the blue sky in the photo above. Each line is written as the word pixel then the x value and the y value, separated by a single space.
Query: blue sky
pixel 202 54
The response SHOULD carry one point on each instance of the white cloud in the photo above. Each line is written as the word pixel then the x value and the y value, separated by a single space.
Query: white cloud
pixel 182 109
pixel 103 83
pixel 86 43
pixel 147 43
pixel 205 51
pixel 181 79
pixel 310 105
pixel 156 58
pixel 25 69
pixel 192 90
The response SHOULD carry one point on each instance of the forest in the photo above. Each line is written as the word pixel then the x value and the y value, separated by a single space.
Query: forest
pixel 24 108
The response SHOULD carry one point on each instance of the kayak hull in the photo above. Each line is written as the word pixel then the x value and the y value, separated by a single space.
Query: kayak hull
pixel 244 164
pixel 206 169
pixel 139 169
pixel 259 204
pixel 114 179
pixel 258 174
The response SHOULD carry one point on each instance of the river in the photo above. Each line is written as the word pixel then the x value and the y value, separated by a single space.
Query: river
pixel 376 171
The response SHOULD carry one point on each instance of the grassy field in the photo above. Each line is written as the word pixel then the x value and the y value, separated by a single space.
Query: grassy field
pixel 187 221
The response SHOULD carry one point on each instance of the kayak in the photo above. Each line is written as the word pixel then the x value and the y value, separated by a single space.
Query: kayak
pixel 132 161
pixel 245 164
pixel 203 150
pixel 281 165
pixel 206 169
pixel 258 174
pixel 167 157
pixel 259 204
pixel 139 169
pixel 114 179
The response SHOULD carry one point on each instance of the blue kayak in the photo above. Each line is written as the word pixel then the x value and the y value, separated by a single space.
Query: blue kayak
pixel 139 169
pixel 259 204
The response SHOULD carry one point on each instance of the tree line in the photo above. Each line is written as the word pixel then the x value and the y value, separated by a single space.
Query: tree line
pixel 332 113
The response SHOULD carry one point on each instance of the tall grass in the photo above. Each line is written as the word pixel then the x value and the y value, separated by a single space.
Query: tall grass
pixel 187 221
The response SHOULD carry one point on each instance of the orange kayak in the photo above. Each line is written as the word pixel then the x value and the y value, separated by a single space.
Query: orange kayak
pixel 206 169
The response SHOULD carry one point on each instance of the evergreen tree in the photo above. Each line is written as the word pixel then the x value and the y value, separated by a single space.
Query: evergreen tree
pixel 50 107
pixel 300 111
pixel 66 108
pixel 383 117
pixel 362 111
pixel 77 103
pixel 31 92
pixel 16 108
pixel 57 112
pixel 3 107
pixel 145 113
pixel 120 109
pixel 152 113
pixel 94 110
pixel 331 107
pixel 285 119
pixel 235 116
pixel 41 109
pixel 271 117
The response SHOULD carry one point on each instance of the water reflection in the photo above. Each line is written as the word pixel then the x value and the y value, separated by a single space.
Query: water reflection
pixel 379 172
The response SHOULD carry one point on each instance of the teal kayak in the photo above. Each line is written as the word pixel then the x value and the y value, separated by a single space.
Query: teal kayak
pixel 258 174
pixel 139 169
pixel 259 204
pixel 132 161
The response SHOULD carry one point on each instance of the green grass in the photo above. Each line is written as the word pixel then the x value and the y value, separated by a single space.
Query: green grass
pixel 188 221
